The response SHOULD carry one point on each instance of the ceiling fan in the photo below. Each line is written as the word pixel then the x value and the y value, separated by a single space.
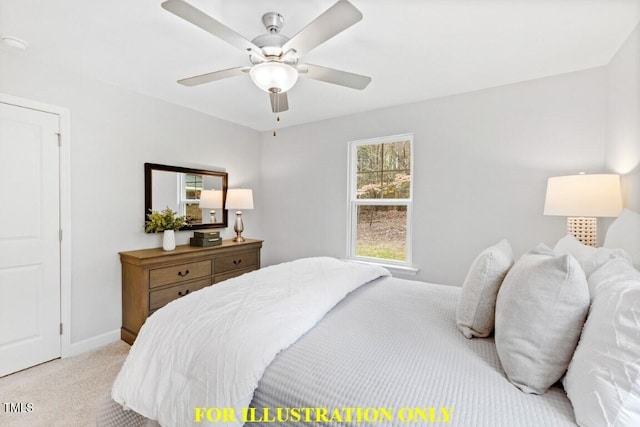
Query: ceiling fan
pixel 274 57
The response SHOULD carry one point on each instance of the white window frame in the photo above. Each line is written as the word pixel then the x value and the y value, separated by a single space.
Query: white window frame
pixel 403 267
pixel 182 193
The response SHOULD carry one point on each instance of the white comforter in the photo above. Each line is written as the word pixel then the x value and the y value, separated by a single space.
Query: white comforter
pixel 210 348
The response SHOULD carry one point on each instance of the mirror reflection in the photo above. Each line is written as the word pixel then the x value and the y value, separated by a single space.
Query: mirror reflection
pixel 195 193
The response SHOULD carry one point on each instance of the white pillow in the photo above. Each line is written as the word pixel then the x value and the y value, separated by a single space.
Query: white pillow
pixel 624 233
pixel 590 258
pixel 603 379
pixel 540 311
pixel 475 314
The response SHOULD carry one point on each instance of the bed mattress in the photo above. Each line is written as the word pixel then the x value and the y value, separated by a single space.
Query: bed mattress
pixel 394 344
pixel 391 350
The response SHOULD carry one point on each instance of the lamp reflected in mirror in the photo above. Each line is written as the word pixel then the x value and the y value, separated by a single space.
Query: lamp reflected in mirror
pixel 210 199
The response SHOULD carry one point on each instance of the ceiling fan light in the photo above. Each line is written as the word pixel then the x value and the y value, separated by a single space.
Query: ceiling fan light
pixel 274 76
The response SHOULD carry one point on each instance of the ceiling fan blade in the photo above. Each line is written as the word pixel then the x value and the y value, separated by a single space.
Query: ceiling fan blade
pixel 200 19
pixel 337 77
pixel 279 102
pixel 334 20
pixel 216 75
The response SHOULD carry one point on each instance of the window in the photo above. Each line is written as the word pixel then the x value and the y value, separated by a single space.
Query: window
pixel 190 188
pixel 380 199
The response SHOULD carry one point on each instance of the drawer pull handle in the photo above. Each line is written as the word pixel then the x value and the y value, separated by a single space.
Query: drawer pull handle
pixel 180 294
pixel 181 274
pixel 237 261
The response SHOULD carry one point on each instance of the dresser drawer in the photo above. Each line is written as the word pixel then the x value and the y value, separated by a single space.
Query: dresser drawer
pixel 152 278
pixel 179 273
pixel 239 261
pixel 162 297
pixel 230 275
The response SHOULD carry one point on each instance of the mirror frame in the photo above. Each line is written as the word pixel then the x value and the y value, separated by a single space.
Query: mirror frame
pixel 148 196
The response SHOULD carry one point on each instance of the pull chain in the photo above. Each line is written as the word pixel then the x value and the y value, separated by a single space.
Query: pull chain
pixel 277 120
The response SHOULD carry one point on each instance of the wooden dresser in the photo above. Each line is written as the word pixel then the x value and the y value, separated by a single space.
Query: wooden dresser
pixel 152 278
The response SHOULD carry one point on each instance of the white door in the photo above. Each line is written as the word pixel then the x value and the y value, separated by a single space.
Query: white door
pixel 29 238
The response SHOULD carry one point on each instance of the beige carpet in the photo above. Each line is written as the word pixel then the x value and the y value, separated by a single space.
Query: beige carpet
pixel 64 392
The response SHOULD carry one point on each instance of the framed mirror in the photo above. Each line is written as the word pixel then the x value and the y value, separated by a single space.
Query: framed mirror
pixel 188 192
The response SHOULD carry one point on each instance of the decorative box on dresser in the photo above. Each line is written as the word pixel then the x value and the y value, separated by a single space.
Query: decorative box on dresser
pixel 151 278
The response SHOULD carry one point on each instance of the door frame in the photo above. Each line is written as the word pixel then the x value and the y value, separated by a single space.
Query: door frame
pixel 65 209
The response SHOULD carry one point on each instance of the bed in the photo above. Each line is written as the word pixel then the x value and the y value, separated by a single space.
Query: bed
pixel 383 351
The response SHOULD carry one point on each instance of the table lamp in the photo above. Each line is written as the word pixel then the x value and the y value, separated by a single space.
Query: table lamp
pixel 239 199
pixel 582 198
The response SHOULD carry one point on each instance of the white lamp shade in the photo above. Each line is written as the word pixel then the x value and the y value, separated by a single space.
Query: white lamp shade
pixel 210 199
pixel 239 199
pixel 274 76
pixel 594 195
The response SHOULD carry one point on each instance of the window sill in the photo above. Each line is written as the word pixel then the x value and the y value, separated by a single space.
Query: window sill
pixel 394 269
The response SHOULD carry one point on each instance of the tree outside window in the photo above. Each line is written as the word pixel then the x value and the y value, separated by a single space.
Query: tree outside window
pixel 380 199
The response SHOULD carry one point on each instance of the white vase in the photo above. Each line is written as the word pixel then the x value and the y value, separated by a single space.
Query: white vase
pixel 169 240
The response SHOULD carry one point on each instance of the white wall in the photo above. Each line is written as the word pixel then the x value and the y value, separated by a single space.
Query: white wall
pixel 623 118
pixel 481 164
pixel 113 133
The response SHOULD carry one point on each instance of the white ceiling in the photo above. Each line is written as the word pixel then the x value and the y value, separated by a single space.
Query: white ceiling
pixel 413 49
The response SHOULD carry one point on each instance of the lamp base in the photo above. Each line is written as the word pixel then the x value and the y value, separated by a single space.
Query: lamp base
pixel 238 227
pixel 585 229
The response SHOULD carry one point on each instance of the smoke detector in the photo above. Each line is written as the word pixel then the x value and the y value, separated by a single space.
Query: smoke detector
pixel 14 42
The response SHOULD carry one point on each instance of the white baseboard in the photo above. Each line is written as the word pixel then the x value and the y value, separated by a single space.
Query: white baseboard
pixel 93 343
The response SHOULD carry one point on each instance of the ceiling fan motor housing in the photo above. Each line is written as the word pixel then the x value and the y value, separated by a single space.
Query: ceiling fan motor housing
pixel 270 45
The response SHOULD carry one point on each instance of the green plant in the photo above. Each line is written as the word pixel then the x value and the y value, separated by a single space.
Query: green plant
pixel 163 220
